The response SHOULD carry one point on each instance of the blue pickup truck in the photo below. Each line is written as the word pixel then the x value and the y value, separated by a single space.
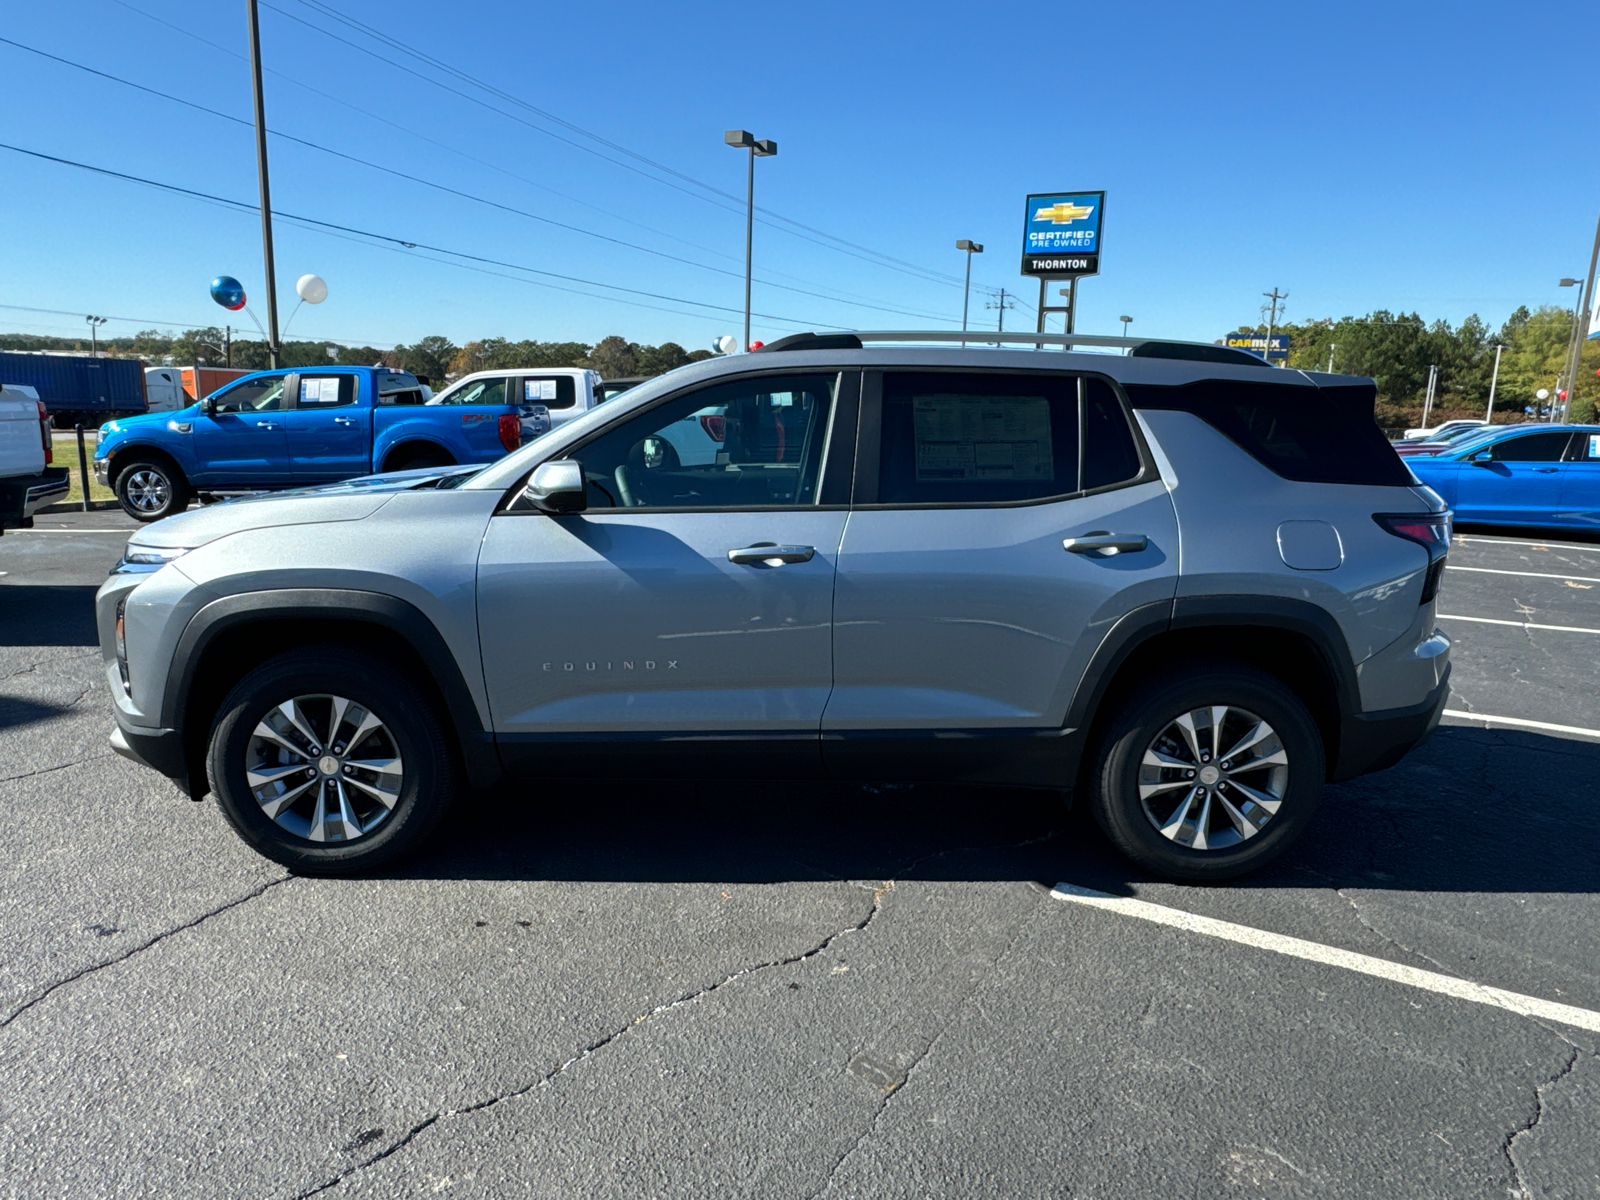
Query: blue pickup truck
pixel 283 429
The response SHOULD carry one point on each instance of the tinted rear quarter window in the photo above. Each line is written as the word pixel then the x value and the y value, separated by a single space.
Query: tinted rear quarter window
pixel 1110 455
pixel 1304 433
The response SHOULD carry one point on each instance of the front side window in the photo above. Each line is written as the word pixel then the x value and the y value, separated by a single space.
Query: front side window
pixel 479 391
pixel 326 391
pixel 1532 447
pixel 752 443
pixel 950 438
pixel 253 395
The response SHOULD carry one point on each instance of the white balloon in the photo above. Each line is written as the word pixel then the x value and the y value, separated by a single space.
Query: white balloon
pixel 727 343
pixel 312 289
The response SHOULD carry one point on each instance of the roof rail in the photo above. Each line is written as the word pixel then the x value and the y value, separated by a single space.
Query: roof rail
pixel 1137 347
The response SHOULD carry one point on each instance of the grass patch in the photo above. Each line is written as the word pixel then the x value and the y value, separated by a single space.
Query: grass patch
pixel 66 455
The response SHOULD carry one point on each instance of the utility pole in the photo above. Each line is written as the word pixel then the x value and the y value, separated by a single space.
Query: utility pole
pixel 1427 403
pixel 1488 414
pixel 1002 302
pixel 1274 296
pixel 1583 322
pixel 266 191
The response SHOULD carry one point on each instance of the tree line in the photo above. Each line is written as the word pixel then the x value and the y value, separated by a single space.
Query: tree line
pixel 434 359
pixel 1396 350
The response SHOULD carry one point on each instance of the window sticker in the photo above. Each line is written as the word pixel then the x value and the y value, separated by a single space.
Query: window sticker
pixel 1594 445
pixel 538 389
pixel 319 391
pixel 980 439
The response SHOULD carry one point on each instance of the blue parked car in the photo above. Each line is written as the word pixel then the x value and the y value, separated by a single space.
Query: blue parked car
pixel 292 428
pixel 1520 475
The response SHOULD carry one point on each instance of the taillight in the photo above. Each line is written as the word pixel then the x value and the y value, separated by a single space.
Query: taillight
pixel 44 434
pixel 1431 531
pixel 510 430
pixel 716 427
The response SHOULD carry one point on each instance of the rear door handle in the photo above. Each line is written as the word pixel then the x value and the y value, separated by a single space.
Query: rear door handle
pixel 769 554
pixel 266 424
pixel 1106 544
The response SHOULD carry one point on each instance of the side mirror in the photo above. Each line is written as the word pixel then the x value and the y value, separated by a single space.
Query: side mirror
pixel 208 405
pixel 1482 456
pixel 557 487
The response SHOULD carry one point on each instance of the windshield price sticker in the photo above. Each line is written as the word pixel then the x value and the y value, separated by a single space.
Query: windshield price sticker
pixel 981 439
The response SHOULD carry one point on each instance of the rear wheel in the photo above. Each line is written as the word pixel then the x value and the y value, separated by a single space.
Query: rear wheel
pixel 1208 773
pixel 330 762
pixel 414 459
pixel 150 488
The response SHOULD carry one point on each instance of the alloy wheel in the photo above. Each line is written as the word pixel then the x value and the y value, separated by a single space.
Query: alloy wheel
pixel 148 491
pixel 324 768
pixel 1213 777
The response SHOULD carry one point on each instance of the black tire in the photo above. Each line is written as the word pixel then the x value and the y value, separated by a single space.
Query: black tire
pixel 1149 713
pixel 411 729
pixel 152 488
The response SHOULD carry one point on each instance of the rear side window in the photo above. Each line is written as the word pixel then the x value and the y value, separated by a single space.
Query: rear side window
pixel 326 391
pixel 1109 454
pixel 950 438
pixel 1308 434
pixel 552 391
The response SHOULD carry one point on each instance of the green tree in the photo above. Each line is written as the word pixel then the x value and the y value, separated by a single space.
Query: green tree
pixel 615 357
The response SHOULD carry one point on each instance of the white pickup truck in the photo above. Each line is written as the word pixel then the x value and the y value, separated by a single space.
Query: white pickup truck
pixel 27 480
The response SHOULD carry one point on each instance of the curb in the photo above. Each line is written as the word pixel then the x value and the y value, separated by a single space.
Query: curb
pixel 77 506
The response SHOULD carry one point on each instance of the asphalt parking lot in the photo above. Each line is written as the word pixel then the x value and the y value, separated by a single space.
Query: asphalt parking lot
pixel 784 990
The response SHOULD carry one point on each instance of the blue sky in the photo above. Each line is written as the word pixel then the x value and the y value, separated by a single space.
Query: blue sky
pixel 1436 157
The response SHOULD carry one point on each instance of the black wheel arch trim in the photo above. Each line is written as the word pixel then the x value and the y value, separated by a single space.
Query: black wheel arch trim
pixel 478 752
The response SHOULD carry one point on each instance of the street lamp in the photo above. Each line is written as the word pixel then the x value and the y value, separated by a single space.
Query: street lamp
pixel 744 140
pixel 971 248
pixel 1571 368
pixel 94 341
pixel 1126 321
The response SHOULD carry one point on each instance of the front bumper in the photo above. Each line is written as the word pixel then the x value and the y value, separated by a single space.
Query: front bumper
pixel 23 495
pixel 102 471
pixel 159 749
pixel 1376 740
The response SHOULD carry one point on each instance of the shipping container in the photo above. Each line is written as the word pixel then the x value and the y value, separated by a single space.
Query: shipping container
pixel 211 378
pixel 78 389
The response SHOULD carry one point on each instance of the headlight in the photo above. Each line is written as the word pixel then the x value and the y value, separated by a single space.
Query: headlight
pixel 138 559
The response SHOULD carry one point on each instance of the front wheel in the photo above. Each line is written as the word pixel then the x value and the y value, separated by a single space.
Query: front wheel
pixel 1209 773
pixel 330 762
pixel 149 489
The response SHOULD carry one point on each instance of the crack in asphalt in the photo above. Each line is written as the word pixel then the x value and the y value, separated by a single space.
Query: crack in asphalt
pixel 1509 1145
pixel 595 1047
pixel 142 947
pixel 1385 938
pixel 77 762
pixel 883 1105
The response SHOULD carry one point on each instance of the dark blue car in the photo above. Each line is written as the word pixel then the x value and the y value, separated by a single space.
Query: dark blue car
pixel 1546 475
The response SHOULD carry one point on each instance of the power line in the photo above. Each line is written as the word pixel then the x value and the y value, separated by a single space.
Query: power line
pixel 243 206
pixel 450 190
pixel 838 244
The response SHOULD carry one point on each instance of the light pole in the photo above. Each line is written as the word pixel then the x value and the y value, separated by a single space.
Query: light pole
pixel 1126 321
pixel 94 341
pixel 1331 348
pixel 1488 413
pixel 1576 339
pixel 971 248
pixel 1586 306
pixel 266 191
pixel 744 140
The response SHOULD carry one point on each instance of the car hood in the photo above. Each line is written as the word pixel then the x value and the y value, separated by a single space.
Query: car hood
pixel 124 424
pixel 350 500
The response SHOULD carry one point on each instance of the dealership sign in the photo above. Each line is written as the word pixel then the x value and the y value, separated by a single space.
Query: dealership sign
pixel 1256 343
pixel 1061 234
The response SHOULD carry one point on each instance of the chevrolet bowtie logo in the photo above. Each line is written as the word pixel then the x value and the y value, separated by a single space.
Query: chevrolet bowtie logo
pixel 1063 214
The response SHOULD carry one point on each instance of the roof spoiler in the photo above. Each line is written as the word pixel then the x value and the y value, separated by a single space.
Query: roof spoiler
pixel 1136 347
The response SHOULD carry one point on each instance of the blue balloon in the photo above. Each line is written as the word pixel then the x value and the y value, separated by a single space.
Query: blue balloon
pixel 228 292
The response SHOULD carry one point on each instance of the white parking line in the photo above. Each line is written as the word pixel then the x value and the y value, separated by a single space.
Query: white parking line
pixel 1481 541
pixel 1522 574
pixel 1365 964
pixel 1517 624
pixel 1521 723
pixel 11 531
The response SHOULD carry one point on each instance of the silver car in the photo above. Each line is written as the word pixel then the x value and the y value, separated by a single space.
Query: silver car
pixel 1182 586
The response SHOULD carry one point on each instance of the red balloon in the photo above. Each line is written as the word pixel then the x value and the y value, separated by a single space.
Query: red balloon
pixel 757 345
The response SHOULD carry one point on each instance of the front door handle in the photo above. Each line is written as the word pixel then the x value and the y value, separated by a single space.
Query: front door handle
pixel 343 421
pixel 266 424
pixel 1106 544
pixel 1547 470
pixel 769 554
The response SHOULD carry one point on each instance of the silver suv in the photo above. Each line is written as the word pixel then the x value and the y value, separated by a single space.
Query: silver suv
pixel 1178 584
